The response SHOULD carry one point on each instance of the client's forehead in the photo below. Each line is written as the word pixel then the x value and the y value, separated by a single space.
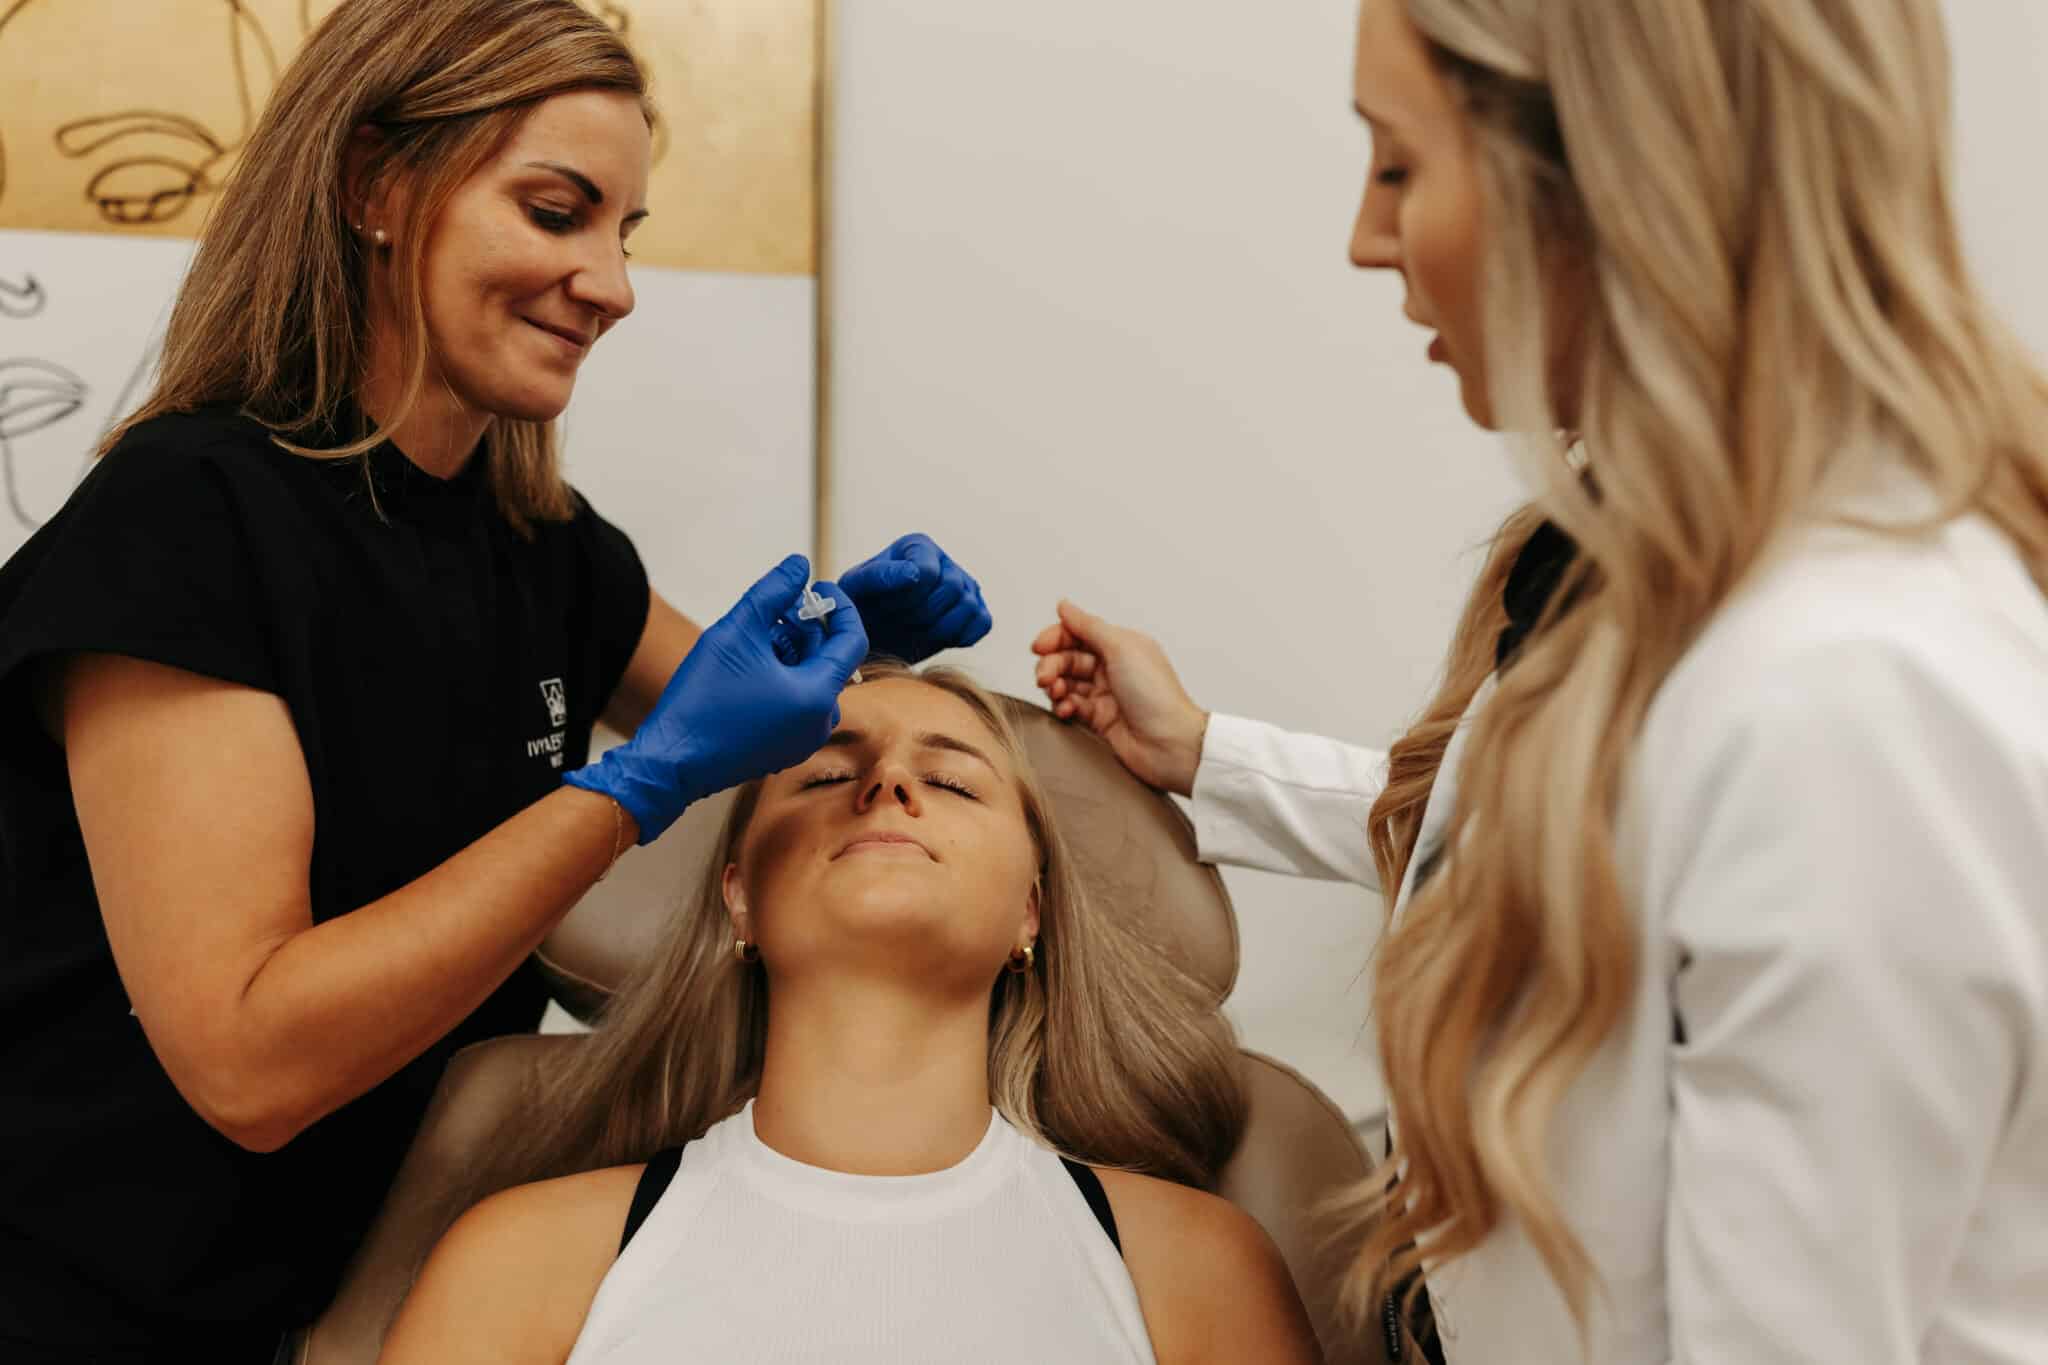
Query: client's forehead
pixel 891 706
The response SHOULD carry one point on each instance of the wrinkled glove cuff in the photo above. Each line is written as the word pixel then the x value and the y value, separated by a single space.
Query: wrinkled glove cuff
pixel 637 786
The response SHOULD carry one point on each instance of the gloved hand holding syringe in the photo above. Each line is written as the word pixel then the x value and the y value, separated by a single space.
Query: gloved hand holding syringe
pixel 758 692
pixel 812 607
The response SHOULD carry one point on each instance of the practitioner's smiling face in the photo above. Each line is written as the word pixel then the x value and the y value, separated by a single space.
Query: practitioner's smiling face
pixel 902 842
pixel 525 268
pixel 1422 212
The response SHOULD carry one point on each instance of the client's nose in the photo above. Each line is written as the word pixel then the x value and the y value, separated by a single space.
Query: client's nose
pixel 881 789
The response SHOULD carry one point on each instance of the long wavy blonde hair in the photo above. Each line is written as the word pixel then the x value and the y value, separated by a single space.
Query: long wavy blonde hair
pixel 1757 197
pixel 272 314
pixel 1106 1050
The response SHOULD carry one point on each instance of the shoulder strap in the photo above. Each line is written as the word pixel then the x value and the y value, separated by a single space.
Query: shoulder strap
pixel 1098 1200
pixel 653 1184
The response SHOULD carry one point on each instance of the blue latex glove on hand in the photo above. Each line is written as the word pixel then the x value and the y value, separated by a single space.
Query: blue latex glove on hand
pixel 757 693
pixel 916 601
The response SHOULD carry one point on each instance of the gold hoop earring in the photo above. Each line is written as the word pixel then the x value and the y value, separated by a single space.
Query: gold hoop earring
pixel 745 951
pixel 1024 959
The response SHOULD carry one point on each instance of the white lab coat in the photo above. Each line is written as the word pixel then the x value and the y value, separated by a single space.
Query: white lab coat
pixel 1836 837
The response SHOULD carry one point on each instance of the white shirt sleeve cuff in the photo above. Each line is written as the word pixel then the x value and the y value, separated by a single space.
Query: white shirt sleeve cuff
pixel 1283 802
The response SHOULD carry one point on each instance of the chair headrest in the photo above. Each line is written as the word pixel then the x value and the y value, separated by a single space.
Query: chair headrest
pixel 1132 848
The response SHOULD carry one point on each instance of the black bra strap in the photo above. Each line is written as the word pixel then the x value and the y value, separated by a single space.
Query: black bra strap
pixel 1098 1200
pixel 653 1184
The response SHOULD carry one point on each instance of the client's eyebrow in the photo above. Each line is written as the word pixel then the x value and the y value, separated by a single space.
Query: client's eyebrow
pixel 926 739
pixel 931 739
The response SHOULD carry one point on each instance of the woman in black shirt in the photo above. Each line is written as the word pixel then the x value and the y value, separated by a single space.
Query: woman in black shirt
pixel 296 676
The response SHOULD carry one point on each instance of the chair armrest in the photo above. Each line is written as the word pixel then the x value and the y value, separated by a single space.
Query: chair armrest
pixel 486 1087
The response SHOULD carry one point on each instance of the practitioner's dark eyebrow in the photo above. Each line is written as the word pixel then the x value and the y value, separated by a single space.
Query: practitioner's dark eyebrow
pixel 583 183
pixel 574 177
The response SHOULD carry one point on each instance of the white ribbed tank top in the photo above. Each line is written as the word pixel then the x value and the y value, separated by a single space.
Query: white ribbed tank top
pixel 750 1256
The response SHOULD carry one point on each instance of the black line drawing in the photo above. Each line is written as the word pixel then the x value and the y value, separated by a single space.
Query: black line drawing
pixel 33 394
pixel 157 186
pixel 122 189
pixel 38 394
pixel 23 300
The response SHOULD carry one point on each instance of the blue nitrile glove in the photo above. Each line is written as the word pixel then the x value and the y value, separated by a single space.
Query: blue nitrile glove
pixel 916 601
pixel 754 695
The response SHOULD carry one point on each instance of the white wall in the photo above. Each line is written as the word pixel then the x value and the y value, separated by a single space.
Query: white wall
pixel 1092 327
pixel 692 429
pixel 2001 62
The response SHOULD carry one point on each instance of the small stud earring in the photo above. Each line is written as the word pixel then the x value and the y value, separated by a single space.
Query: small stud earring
pixel 377 236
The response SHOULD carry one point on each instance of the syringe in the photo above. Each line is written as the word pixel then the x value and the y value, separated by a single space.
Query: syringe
pixel 815 606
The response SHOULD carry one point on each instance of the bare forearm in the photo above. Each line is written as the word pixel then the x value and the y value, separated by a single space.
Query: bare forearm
pixel 666 638
pixel 343 1005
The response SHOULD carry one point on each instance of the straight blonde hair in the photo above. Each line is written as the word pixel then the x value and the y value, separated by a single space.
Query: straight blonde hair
pixel 272 315
pixel 1751 190
pixel 1105 1050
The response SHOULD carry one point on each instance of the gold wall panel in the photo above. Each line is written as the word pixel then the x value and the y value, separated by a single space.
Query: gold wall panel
pixel 125 116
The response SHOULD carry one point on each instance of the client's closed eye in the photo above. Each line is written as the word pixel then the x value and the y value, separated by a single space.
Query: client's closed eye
pixel 940 780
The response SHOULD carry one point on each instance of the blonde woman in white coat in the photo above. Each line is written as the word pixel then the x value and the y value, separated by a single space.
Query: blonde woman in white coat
pixel 1713 1003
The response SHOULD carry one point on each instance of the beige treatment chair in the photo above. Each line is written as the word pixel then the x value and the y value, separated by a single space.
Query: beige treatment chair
pixel 1135 851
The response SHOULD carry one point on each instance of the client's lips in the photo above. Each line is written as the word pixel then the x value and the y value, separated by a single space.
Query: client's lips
pixel 883 837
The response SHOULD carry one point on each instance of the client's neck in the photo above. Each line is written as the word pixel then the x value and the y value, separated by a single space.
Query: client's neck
pixel 872 1078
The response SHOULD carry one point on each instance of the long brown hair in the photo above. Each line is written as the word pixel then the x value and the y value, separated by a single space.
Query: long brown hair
pixel 1757 193
pixel 271 316
pixel 1106 1050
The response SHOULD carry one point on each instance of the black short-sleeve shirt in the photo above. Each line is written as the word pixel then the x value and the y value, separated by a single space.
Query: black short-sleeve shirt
pixel 442 672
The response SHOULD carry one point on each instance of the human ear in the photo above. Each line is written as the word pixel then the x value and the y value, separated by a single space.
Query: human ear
pixel 369 197
pixel 734 893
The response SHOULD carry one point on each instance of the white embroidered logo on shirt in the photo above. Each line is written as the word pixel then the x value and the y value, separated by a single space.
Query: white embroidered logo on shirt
pixel 557 697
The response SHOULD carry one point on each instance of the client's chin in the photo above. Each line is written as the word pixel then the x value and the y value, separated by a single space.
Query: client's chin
pixel 896 918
